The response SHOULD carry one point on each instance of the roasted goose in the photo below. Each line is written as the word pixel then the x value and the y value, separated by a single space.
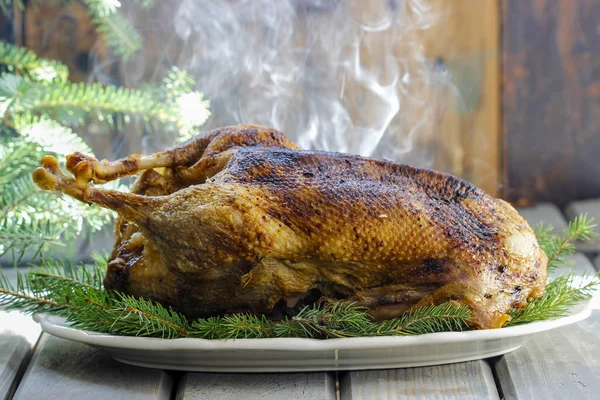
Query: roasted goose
pixel 239 219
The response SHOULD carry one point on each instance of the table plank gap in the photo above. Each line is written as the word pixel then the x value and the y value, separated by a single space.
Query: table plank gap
pixel 560 364
pixel 313 386
pixel 15 353
pixel 18 336
pixel 467 380
pixel 62 369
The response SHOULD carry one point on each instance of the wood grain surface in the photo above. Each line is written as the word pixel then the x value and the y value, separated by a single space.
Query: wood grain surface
pixel 18 335
pixel 62 369
pixel 15 351
pixel 551 100
pixel 289 386
pixel 561 364
pixel 464 46
pixel 468 380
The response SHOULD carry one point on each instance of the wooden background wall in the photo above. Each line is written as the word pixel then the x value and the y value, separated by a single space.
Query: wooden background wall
pixel 521 114
pixel 551 100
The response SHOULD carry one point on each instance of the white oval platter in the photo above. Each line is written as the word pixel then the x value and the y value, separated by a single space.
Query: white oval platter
pixel 292 354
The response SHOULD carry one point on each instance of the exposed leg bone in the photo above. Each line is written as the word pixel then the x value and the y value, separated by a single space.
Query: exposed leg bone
pixel 88 169
pixel 131 206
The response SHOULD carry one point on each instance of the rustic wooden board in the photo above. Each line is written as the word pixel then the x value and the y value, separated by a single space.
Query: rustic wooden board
pixel 18 334
pixel 551 100
pixel 561 364
pixel 204 386
pixel 63 369
pixel 468 380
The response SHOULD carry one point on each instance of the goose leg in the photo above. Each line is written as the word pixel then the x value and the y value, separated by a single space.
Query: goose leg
pixel 131 206
pixel 195 157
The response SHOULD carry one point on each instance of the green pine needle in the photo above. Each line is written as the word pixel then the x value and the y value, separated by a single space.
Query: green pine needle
pixel 237 326
pixel 561 294
pixel 558 247
pixel 445 317
pixel 25 62
pixel 70 103
pixel 124 40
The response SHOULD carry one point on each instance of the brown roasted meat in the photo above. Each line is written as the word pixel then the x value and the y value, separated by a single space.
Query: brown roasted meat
pixel 239 219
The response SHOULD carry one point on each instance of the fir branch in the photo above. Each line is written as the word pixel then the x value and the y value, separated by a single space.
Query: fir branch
pixel 18 236
pixel 49 134
pixel 446 317
pixel 237 326
pixel 118 34
pixel 70 102
pixel 91 276
pixel 115 29
pixel 126 315
pixel 557 247
pixel 561 294
pixel 25 62
pixel 18 157
pixel 340 319
pixel 25 296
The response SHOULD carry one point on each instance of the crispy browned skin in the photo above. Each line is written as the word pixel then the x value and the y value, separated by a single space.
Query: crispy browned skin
pixel 238 219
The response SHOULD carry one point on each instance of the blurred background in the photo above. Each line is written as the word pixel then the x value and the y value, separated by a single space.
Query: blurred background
pixel 503 93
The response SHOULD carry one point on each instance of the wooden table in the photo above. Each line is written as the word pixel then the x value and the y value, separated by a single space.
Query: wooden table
pixel 562 364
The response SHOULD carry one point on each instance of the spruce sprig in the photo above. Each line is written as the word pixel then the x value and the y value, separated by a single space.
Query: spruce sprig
pixel 236 326
pixel 561 294
pixel 21 61
pixel 558 247
pixel 71 103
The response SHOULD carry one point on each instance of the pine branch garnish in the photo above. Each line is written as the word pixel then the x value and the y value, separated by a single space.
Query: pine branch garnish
pixel 119 314
pixel 70 102
pixel 116 30
pixel 327 321
pixel 237 326
pixel 557 247
pixel 446 317
pixel 561 294
pixel 25 62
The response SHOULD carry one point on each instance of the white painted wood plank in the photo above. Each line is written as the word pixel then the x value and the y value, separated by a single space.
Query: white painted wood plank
pixel 289 386
pixel 468 380
pixel 561 364
pixel 18 334
pixel 61 369
pixel 14 354
pixel 590 207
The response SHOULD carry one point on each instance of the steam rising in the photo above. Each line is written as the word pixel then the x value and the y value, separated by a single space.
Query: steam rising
pixel 335 75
